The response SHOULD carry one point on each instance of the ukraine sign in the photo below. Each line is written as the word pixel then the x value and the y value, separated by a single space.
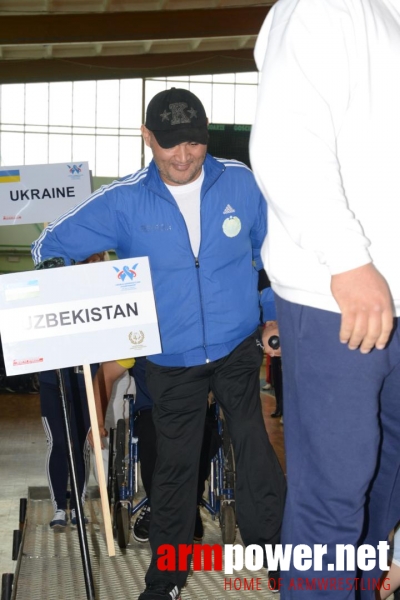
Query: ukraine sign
pixel 41 193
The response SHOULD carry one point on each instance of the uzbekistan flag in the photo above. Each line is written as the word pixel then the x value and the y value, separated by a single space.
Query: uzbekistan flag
pixel 9 176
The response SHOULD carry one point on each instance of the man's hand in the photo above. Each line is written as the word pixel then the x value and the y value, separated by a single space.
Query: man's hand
pixel 270 329
pixel 365 302
pixel 103 433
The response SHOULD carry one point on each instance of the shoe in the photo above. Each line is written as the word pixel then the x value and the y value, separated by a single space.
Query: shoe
pixel 142 525
pixel 273 581
pixel 59 519
pixel 198 528
pixel 266 387
pixel 74 519
pixel 161 590
pixel 276 414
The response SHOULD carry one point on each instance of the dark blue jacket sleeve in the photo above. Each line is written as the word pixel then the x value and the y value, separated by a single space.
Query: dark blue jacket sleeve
pixel 259 231
pixel 267 305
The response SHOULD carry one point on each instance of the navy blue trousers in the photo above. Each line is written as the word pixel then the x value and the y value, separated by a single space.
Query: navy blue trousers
pixel 57 458
pixel 342 437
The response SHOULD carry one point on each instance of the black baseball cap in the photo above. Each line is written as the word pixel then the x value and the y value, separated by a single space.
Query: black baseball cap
pixel 176 116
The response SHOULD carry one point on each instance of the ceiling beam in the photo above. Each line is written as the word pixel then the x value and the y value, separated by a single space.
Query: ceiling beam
pixel 126 67
pixel 124 26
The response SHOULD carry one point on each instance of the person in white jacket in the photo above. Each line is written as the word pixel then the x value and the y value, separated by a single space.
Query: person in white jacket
pixel 325 149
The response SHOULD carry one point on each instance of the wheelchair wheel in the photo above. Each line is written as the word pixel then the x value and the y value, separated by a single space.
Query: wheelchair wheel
pixel 229 461
pixel 119 463
pixel 227 520
pixel 227 517
pixel 110 471
pixel 122 525
pixel 121 512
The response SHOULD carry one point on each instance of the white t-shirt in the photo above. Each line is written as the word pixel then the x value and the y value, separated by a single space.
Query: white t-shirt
pixel 187 198
pixel 325 145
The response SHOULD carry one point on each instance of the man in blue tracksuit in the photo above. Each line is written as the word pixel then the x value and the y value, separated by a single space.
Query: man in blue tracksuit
pixel 202 222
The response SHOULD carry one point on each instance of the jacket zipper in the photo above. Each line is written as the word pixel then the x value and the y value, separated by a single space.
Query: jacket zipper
pixel 196 260
pixel 197 265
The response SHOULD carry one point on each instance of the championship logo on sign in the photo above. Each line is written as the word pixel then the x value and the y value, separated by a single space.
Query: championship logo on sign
pixel 136 337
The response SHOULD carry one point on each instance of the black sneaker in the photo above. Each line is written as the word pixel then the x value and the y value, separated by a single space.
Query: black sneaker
pixel 142 525
pixel 161 590
pixel 198 528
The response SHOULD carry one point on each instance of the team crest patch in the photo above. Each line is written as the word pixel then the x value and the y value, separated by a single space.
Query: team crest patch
pixel 231 226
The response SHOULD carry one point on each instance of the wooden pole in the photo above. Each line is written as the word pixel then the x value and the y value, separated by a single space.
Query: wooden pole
pixel 99 460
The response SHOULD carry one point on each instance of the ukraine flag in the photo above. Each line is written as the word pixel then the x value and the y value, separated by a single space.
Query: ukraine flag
pixel 9 176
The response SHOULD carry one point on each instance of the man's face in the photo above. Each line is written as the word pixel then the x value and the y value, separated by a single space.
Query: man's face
pixel 178 165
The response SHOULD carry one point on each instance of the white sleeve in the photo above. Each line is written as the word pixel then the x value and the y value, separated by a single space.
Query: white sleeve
pixel 305 52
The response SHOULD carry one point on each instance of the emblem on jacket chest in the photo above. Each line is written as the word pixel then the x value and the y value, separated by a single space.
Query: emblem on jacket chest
pixel 231 226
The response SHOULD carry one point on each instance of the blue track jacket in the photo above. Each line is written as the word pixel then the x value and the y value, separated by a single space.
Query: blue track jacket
pixel 206 305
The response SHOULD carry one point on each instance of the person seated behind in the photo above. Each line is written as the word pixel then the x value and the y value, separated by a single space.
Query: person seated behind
pixel 108 373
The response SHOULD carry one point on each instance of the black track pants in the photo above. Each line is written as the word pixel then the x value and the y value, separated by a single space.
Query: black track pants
pixel 180 402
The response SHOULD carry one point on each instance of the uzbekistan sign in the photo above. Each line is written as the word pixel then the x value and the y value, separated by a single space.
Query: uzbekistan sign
pixel 76 315
pixel 41 193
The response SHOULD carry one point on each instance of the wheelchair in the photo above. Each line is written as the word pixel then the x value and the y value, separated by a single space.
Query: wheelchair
pixel 123 475
pixel 123 478
pixel 221 490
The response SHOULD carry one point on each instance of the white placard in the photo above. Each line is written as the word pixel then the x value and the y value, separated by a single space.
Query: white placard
pixel 41 193
pixel 76 315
